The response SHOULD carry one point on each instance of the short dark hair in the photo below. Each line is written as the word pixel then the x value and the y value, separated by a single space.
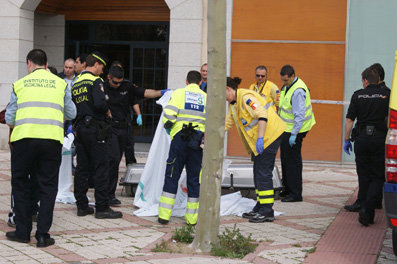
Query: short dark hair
pixel 37 56
pixel 53 70
pixel 233 82
pixel 83 57
pixel 287 70
pixel 116 63
pixel 379 69
pixel 117 72
pixel 371 75
pixel 261 67
pixel 193 77
pixel 95 56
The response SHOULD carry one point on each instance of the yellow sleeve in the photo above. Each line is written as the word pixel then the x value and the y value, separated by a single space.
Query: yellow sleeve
pixel 275 94
pixel 171 109
pixel 229 121
pixel 254 107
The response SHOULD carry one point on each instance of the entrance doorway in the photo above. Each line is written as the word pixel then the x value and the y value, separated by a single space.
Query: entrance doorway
pixel 142 48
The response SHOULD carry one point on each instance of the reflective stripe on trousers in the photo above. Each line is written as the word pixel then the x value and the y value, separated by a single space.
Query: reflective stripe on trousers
pixel 265 197
pixel 191 214
pixel 167 201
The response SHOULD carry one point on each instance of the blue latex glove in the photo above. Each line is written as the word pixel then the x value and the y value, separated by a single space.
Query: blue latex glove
pixel 168 130
pixel 69 130
pixel 164 91
pixel 259 145
pixel 139 120
pixel 292 140
pixel 347 147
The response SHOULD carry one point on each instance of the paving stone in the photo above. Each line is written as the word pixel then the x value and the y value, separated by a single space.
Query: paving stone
pixel 329 175
pixel 273 233
pixel 335 200
pixel 318 189
pixel 109 244
pixel 318 223
pixel 303 208
pixel 294 255
pixel 196 260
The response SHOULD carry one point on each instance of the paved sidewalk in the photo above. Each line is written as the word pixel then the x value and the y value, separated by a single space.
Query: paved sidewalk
pixel 298 236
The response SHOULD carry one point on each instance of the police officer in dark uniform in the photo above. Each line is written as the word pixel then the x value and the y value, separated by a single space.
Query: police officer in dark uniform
pixel 370 107
pixel 93 130
pixel 356 206
pixel 120 95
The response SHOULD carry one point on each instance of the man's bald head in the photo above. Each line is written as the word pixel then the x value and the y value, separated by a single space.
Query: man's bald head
pixel 68 68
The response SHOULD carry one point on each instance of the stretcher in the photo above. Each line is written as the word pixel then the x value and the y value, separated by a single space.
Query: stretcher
pixel 238 176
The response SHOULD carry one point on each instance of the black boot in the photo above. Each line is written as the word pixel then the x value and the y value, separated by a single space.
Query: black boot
pixel 353 207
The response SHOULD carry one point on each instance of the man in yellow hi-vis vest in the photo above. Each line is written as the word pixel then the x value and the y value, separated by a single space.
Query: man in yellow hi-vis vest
pixel 184 120
pixel 260 130
pixel 267 89
pixel 39 103
pixel 295 109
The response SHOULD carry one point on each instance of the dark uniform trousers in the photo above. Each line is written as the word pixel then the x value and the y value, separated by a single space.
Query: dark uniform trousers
pixel 263 173
pixel 370 166
pixel 129 148
pixel 291 164
pixel 116 147
pixel 39 158
pixel 181 154
pixel 91 155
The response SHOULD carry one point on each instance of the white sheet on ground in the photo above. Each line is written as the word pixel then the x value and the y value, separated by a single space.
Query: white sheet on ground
pixel 65 182
pixel 147 195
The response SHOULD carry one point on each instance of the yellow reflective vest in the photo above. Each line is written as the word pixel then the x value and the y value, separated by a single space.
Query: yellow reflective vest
pixel 249 106
pixel 40 101
pixel 285 110
pixel 187 105
pixel 269 91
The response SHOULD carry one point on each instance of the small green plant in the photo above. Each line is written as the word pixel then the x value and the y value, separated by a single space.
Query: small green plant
pixel 162 247
pixel 312 250
pixel 232 244
pixel 184 234
pixel 296 245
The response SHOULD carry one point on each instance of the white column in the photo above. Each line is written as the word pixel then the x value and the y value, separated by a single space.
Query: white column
pixel 49 35
pixel 185 40
pixel 16 39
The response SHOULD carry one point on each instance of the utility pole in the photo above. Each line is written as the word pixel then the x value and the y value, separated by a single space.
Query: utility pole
pixel 211 178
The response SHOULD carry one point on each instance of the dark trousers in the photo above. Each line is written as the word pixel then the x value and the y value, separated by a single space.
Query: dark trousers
pixel 291 164
pixel 180 155
pixel 370 166
pixel 263 173
pixel 91 155
pixel 116 147
pixel 39 158
pixel 129 150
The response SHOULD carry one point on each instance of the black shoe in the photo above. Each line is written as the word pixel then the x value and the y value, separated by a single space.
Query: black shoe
pixel 108 214
pixel 44 241
pixel 250 214
pixel 291 200
pixel 114 202
pixel 162 221
pixel 371 216
pixel 12 235
pixel 364 218
pixel 353 207
pixel 258 218
pixel 284 193
pixel 85 211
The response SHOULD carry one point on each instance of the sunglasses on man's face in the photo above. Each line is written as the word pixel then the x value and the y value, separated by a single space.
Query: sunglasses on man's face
pixel 258 75
pixel 115 83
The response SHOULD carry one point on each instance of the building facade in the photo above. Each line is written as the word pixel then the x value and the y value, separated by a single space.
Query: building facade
pixel 328 42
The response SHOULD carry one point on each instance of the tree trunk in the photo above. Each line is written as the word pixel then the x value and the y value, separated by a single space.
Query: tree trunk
pixel 210 191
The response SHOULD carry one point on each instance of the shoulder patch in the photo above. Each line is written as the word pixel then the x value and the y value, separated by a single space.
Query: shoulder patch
pixel 251 104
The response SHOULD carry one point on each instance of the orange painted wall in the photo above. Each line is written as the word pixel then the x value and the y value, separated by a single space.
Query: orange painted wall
pixel 320 66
